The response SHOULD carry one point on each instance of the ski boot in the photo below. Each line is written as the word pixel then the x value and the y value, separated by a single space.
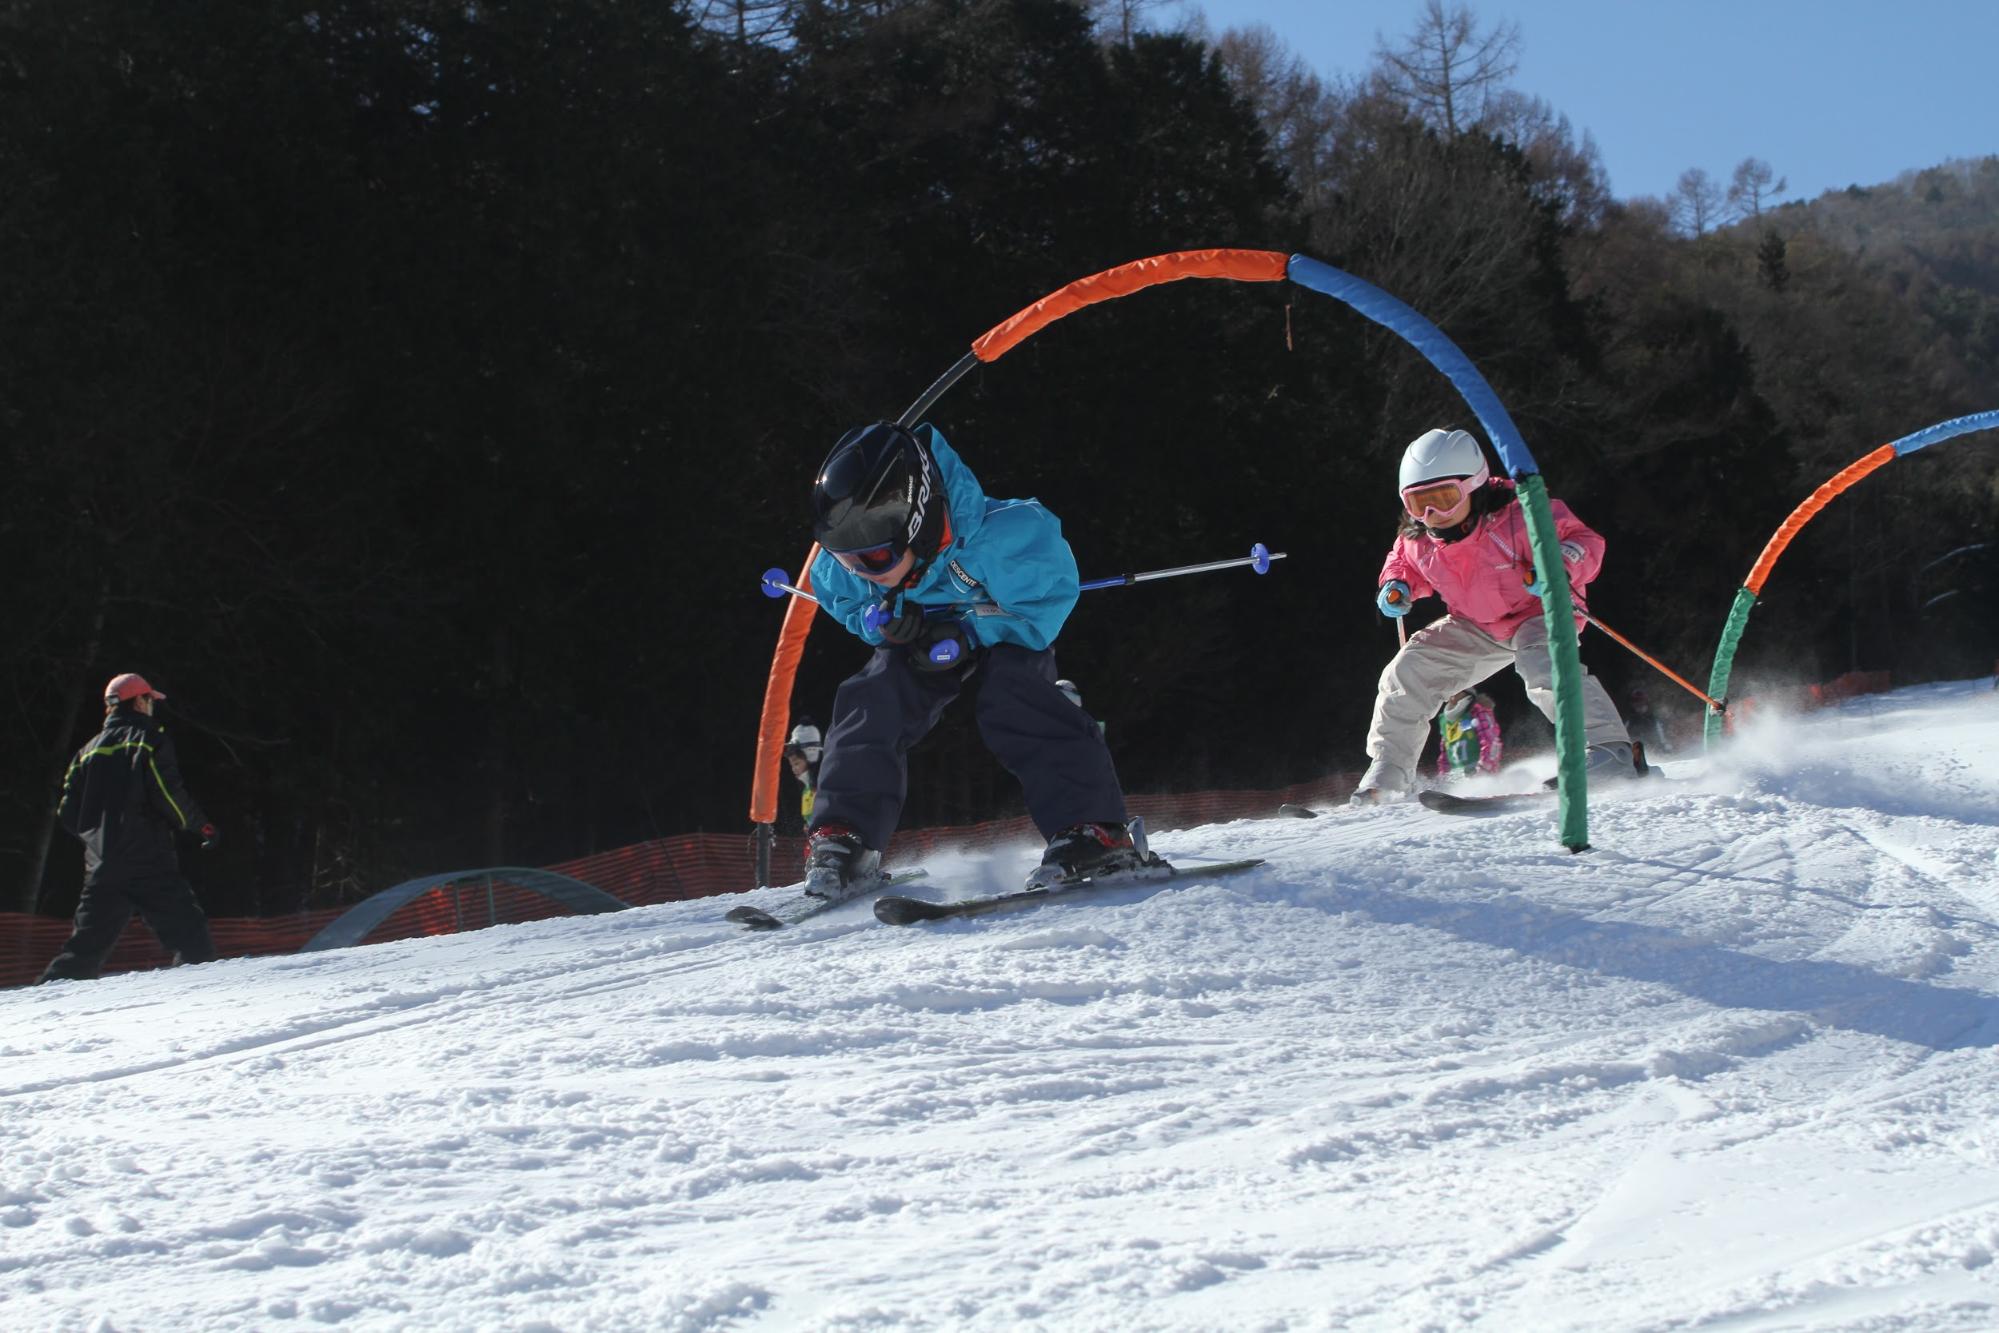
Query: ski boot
pixel 1086 851
pixel 836 865
pixel 1382 784
pixel 1605 763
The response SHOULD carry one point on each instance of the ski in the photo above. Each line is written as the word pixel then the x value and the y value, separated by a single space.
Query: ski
pixel 1445 803
pixel 1297 811
pixel 900 911
pixel 800 906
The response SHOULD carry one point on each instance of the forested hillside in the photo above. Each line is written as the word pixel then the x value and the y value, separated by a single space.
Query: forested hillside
pixel 414 392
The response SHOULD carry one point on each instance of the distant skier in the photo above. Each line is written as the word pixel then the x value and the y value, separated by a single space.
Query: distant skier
pixel 1469 736
pixel 948 587
pixel 124 799
pixel 1463 536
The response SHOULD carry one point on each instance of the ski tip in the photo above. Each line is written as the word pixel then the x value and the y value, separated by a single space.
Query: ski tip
pixel 903 911
pixel 1297 811
pixel 1214 870
pixel 1494 804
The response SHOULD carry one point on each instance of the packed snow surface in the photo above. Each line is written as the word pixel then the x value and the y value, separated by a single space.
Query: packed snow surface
pixel 1734 1068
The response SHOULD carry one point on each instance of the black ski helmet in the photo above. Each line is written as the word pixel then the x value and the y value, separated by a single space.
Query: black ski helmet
pixel 879 487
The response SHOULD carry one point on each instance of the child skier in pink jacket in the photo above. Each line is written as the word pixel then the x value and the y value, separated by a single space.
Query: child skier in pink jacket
pixel 1464 538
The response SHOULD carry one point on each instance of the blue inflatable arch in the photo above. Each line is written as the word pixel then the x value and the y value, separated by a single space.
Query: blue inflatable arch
pixel 355 924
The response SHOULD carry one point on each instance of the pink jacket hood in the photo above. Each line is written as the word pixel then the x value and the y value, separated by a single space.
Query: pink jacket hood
pixel 1483 577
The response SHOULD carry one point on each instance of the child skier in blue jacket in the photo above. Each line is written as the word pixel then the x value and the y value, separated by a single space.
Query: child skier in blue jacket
pixel 948 587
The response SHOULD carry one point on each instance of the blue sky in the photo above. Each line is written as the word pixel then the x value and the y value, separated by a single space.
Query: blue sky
pixel 1830 93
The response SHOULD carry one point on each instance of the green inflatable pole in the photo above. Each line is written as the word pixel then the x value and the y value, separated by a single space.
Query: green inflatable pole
pixel 1560 611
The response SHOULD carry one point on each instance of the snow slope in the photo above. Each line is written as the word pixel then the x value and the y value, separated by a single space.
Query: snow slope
pixel 1732 1069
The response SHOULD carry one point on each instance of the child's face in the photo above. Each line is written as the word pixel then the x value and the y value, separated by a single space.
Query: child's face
pixel 798 765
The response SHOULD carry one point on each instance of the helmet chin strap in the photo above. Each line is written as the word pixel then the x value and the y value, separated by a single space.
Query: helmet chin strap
pixel 892 596
pixel 923 562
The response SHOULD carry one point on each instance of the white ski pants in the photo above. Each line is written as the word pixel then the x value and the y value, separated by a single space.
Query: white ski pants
pixel 1449 655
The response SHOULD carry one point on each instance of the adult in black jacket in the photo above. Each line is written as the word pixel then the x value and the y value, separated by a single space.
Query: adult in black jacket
pixel 124 798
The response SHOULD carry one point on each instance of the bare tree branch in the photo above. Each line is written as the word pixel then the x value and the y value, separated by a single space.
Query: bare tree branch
pixel 1697 203
pixel 1753 186
pixel 1446 70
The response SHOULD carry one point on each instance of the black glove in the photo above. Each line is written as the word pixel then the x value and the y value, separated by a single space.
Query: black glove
pixel 945 643
pixel 907 626
pixel 210 835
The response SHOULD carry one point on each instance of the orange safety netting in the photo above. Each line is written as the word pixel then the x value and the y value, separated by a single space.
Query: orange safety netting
pixel 694 865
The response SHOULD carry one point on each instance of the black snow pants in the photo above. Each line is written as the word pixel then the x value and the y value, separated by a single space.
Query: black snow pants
pixel 1049 744
pixel 164 902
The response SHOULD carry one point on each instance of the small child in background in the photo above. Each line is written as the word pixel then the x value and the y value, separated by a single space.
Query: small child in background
pixel 802 751
pixel 1470 736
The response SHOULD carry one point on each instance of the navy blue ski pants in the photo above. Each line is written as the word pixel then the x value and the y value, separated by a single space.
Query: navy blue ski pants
pixel 1053 747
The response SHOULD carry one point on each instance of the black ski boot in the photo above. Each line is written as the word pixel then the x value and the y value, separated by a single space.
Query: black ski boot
pixel 1085 851
pixel 836 865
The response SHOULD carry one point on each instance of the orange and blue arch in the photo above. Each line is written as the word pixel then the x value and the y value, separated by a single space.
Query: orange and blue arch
pixel 1834 486
pixel 1244 266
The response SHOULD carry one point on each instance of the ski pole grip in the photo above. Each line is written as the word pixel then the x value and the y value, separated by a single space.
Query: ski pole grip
pixel 876 616
pixel 946 651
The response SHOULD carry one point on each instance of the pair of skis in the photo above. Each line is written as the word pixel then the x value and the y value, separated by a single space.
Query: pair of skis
pixel 900 911
pixel 897 910
pixel 801 906
pixel 1445 803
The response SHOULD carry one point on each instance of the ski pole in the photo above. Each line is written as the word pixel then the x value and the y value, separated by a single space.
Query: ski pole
pixel 1259 559
pixel 1716 704
pixel 1401 623
pixel 777 581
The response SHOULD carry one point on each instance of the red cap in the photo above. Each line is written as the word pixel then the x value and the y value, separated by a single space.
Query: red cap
pixel 129 686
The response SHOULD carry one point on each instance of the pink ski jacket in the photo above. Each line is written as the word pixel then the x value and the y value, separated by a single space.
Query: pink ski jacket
pixel 1483 577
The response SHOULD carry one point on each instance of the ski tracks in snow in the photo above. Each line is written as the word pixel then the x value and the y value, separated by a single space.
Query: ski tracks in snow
pixel 1730 1069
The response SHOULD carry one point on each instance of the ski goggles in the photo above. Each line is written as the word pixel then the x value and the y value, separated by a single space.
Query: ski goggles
pixel 1443 496
pixel 871 559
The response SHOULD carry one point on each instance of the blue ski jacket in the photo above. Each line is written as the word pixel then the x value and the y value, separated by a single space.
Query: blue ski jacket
pixel 1005 570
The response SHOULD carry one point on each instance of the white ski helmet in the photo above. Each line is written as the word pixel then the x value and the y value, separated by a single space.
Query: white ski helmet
pixel 1436 454
pixel 805 737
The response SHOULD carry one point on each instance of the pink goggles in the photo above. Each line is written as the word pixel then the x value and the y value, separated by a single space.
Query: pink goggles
pixel 1444 497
